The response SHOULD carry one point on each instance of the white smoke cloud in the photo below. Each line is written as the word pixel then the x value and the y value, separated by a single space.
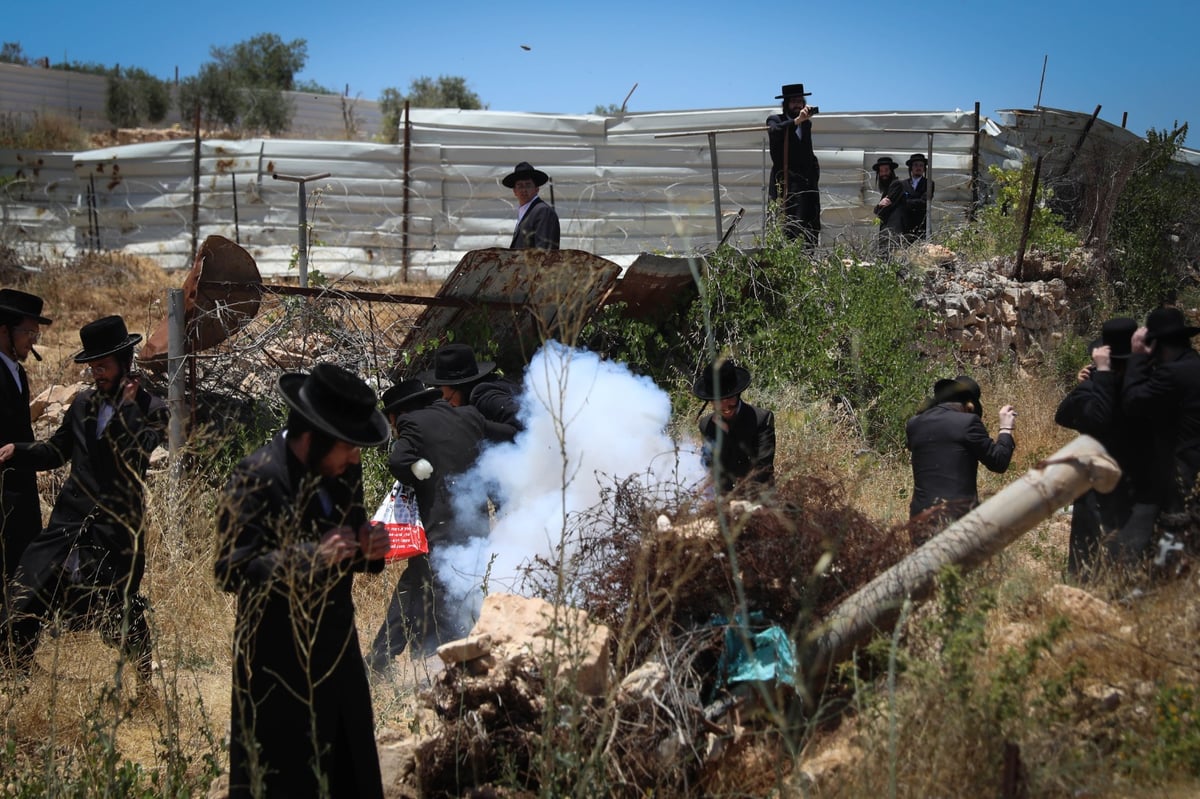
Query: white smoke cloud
pixel 586 420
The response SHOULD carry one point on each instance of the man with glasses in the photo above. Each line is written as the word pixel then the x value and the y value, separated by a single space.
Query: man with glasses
pixel 89 560
pixel 20 512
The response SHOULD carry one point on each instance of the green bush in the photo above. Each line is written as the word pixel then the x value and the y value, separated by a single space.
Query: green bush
pixel 135 96
pixel 997 230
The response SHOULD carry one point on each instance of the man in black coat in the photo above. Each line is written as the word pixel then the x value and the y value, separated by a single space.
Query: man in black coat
pixel 948 441
pixel 1120 523
pixel 434 444
pixel 1162 385
pixel 464 381
pixel 292 533
pixel 738 438
pixel 537 221
pixel 918 193
pixel 795 172
pixel 90 558
pixel 20 511
pixel 890 208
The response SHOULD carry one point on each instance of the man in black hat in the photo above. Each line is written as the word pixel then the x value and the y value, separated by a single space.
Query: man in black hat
pixel 1118 524
pixel 948 441
pixel 90 558
pixel 1162 385
pixel 890 208
pixel 537 221
pixel 434 443
pixel 738 438
pixel 795 172
pixel 292 532
pixel 918 193
pixel 465 381
pixel 20 512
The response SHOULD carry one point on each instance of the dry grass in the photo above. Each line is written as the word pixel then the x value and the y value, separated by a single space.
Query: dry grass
pixel 936 735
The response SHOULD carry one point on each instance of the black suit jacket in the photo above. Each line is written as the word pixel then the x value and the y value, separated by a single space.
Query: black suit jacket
pixel 538 229
pixel 947 445
pixel 803 170
pixel 1168 395
pixel 20 511
pixel 748 449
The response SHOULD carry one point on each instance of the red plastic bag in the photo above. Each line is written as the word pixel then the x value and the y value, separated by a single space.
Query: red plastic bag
pixel 400 516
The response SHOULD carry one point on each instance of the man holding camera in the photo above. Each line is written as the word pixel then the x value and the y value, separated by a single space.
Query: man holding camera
pixel 795 172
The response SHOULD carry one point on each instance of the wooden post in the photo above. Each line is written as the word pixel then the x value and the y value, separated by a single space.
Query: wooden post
pixel 1057 481
pixel 712 157
pixel 176 352
pixel 404 202
pixel 196 189
pixel 1037 172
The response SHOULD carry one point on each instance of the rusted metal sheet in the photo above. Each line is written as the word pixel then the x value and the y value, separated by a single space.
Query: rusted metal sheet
pixel 516 300
pixel 655 285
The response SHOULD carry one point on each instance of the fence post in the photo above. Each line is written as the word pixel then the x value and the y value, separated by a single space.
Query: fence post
pixel 176 337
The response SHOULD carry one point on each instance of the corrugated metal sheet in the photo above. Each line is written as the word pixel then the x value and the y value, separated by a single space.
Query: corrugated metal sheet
pixel 620 188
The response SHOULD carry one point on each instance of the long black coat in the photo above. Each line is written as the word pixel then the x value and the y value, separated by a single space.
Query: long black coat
pixel 947 445
pixel 449 438
pixel 916 205
pixel 1167 394
pixel 105 483
pixel 20 511
pixel 891 216
pixel 748 449
pixel 499 400
pixel 299 680
pixel 1094 408
pixel 538 229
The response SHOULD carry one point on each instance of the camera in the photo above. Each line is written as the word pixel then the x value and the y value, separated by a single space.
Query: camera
pixel 812 109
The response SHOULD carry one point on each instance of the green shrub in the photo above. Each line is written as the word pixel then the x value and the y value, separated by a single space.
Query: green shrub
pixel 997 230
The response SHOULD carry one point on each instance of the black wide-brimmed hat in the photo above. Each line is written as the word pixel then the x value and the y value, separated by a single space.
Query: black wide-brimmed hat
pixel 960 389
pixel 336 402
pixel 104 337
pixel 792 90
pixel 916 157
pixel 455 364
pixel 408 393
pixel 885 160
pixel 1168 323
pixel 23 304
pixel 525 171
pixel 1117 334
pixel 716 382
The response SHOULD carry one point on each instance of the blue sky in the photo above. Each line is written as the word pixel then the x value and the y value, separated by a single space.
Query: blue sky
pixel 1138 58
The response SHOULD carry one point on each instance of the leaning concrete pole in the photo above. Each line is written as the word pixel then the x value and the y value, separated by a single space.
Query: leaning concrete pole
pixel 1057 481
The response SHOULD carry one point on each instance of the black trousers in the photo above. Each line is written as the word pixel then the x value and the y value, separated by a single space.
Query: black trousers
pixel 417 615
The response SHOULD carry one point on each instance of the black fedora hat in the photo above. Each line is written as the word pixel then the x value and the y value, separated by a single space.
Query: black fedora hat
pixel 337 402
pixel 885 160
pixel 721 381
pixel 792 90
pixel 1168 323
pixel 916 157
pixel 104 337
pixel 455 364
pixel 23 304
pixel 1118 335
pixel 525 171
pixel 961 389
pixel 408 393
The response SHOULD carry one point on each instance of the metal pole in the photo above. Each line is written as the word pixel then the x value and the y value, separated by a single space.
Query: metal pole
pixel 196 190
pixel 974 168
pixel 1037 172
pixel 929 188
pixel 404 201
pixel 712 156
pixel 302 262
pixel 176 336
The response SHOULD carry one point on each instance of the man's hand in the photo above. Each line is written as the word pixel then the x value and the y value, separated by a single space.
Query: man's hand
pixel 1008 418
pixel 804 115
pixel 7 451
pixel 1102 357
pixel 130 388
pixel 1138 343
pixel 373 540
pixel 337 545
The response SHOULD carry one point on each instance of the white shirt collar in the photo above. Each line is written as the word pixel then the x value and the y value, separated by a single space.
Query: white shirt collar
pixel 521 211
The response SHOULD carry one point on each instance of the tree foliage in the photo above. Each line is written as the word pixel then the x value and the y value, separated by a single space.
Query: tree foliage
pixel 13 53
pixel 135 96
pixel 999 225
pixel 447 91
pixel 243 85
pixel 1153 223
